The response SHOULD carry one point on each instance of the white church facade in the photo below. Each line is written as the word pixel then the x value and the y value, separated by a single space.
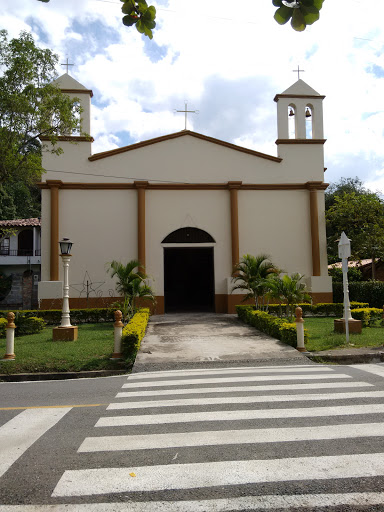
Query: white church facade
pixel 187 206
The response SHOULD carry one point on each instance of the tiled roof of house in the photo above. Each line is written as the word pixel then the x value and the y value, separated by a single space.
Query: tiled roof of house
pixel 357 263
pixel 21 223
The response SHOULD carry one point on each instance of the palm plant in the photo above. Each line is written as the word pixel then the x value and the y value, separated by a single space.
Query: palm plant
pixel 292 292
pixel 131 284
pixel 253 275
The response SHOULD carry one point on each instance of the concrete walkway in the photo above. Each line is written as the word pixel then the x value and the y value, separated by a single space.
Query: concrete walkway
pixel 192 340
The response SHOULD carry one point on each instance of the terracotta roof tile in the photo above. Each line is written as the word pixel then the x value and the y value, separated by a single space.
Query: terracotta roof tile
pixel 21 222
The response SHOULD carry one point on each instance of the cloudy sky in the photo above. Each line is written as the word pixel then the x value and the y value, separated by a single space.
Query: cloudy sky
pixel 228 60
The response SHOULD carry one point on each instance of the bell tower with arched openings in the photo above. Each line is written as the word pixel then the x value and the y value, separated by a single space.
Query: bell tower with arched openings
pixel 299 115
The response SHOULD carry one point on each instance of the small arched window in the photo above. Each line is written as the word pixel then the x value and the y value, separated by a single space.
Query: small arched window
pixel 309 122
pixel 292 121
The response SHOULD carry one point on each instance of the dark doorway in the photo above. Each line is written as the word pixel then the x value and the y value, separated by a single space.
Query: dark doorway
pixel 189 283
pixel 25 243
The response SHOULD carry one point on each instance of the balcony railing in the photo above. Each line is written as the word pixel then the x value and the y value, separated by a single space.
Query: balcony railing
pixel 19 252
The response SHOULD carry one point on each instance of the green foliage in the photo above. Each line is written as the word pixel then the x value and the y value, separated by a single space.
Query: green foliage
pixel 277 327
pixel 30 107
pixel 368 316
pixel 371 292
pixel 78 316
pixel 290 290
pixel 3 325
pixel 133 333
pixel 28 325
pixel 253 275
pixel 300 12
pixel 131 284
pixel 321 309
pixel 361 216
pixel 354 274
pixel 19 201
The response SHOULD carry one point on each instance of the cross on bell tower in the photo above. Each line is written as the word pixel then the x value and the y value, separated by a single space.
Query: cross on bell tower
pixel 298 71
pixel 67 64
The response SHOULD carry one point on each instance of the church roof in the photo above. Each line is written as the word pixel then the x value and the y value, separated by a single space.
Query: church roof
pixel 299 89
pixel 183 133
pixel 69 84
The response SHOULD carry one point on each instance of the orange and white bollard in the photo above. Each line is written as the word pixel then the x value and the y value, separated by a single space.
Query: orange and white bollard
pixel 300 330
pixel 10 348
pixel 118 326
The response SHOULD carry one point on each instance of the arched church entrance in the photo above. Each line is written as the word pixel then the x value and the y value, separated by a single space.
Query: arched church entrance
pixel 189 283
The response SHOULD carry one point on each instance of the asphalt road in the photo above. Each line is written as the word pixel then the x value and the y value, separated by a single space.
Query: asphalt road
pixel 276 438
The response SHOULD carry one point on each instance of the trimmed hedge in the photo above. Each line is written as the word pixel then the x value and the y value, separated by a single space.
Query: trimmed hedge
pixel 371 292
pixel 368 316
pixel 277 327
pixel 134 332
pixel 3 325
pixel 24 325
pixel 78 316
pixel 321 309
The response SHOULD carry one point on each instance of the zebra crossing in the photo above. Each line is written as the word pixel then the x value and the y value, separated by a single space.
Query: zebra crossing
pixel 265 438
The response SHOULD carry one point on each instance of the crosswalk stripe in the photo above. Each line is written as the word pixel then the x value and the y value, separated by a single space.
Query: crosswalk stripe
pixel 19 433
pixel 231 437
pixel 305 412
pixel 219 380
pixel 241 389
pixel 232 371
pixel 264 502
pixel 200 475
pixel 244 400
pixel 370 368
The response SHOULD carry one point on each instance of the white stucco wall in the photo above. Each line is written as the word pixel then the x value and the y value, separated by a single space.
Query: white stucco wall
pixel 102 226
pixel 277 223
pixel 167 211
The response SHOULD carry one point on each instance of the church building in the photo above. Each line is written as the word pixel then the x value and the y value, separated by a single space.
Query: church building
pixel 188 207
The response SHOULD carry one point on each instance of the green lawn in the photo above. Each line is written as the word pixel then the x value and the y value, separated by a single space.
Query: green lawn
pixel 38 353
pixel 322 337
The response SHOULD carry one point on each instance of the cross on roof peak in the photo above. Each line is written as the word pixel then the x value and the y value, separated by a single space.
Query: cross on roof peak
pixel 298 71
pixel 186 111
pixel 67 64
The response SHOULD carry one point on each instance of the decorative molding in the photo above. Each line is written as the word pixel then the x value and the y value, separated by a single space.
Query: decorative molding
pixel 314 215
pixel 138 145
pixel 318 185
pixel 78 91
pixel 300 141
pixel 313 96
pixel 54 231
pixel 68 138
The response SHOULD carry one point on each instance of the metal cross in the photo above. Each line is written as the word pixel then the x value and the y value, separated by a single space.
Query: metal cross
pixel 298 70
pixel 186 111
pixel 67 64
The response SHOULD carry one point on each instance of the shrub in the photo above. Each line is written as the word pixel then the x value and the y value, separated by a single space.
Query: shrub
pixel 3 325
pixel 134 332
pixel 78 316
pixel 28 325
pixel 368 316
pixel 277 327
pixel 321 309
pixel 371 292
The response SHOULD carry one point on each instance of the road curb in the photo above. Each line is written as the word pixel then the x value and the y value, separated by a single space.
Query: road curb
pixel 21 377
pixel 369 357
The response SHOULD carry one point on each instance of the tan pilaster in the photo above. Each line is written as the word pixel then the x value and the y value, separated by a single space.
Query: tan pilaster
pixel 314 213
pixel 54 186
pixel 141 186
pixel 233 187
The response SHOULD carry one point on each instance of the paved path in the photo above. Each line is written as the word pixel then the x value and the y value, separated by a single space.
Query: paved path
pixel 192 340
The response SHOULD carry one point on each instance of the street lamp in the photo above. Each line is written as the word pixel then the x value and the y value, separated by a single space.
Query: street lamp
pixel 66 331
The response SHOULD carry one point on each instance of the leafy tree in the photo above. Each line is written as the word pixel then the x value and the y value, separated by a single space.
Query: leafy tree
pixel 130 284
pixel 300 12
pixel 30 107
pixel 361 216
pixel 253 275
pixel 354 274
pixel 344 185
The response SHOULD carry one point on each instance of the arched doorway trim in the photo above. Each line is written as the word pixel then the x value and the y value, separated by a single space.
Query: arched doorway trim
pixel 188 235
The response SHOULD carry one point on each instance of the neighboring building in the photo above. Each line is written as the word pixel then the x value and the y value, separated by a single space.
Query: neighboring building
pixel 20 257
pixel 188 206
pixel 365 266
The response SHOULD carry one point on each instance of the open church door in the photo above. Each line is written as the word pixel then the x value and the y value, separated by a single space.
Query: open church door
pixel 189 284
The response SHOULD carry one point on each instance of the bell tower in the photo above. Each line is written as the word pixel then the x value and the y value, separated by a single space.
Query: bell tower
pixel 299 115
